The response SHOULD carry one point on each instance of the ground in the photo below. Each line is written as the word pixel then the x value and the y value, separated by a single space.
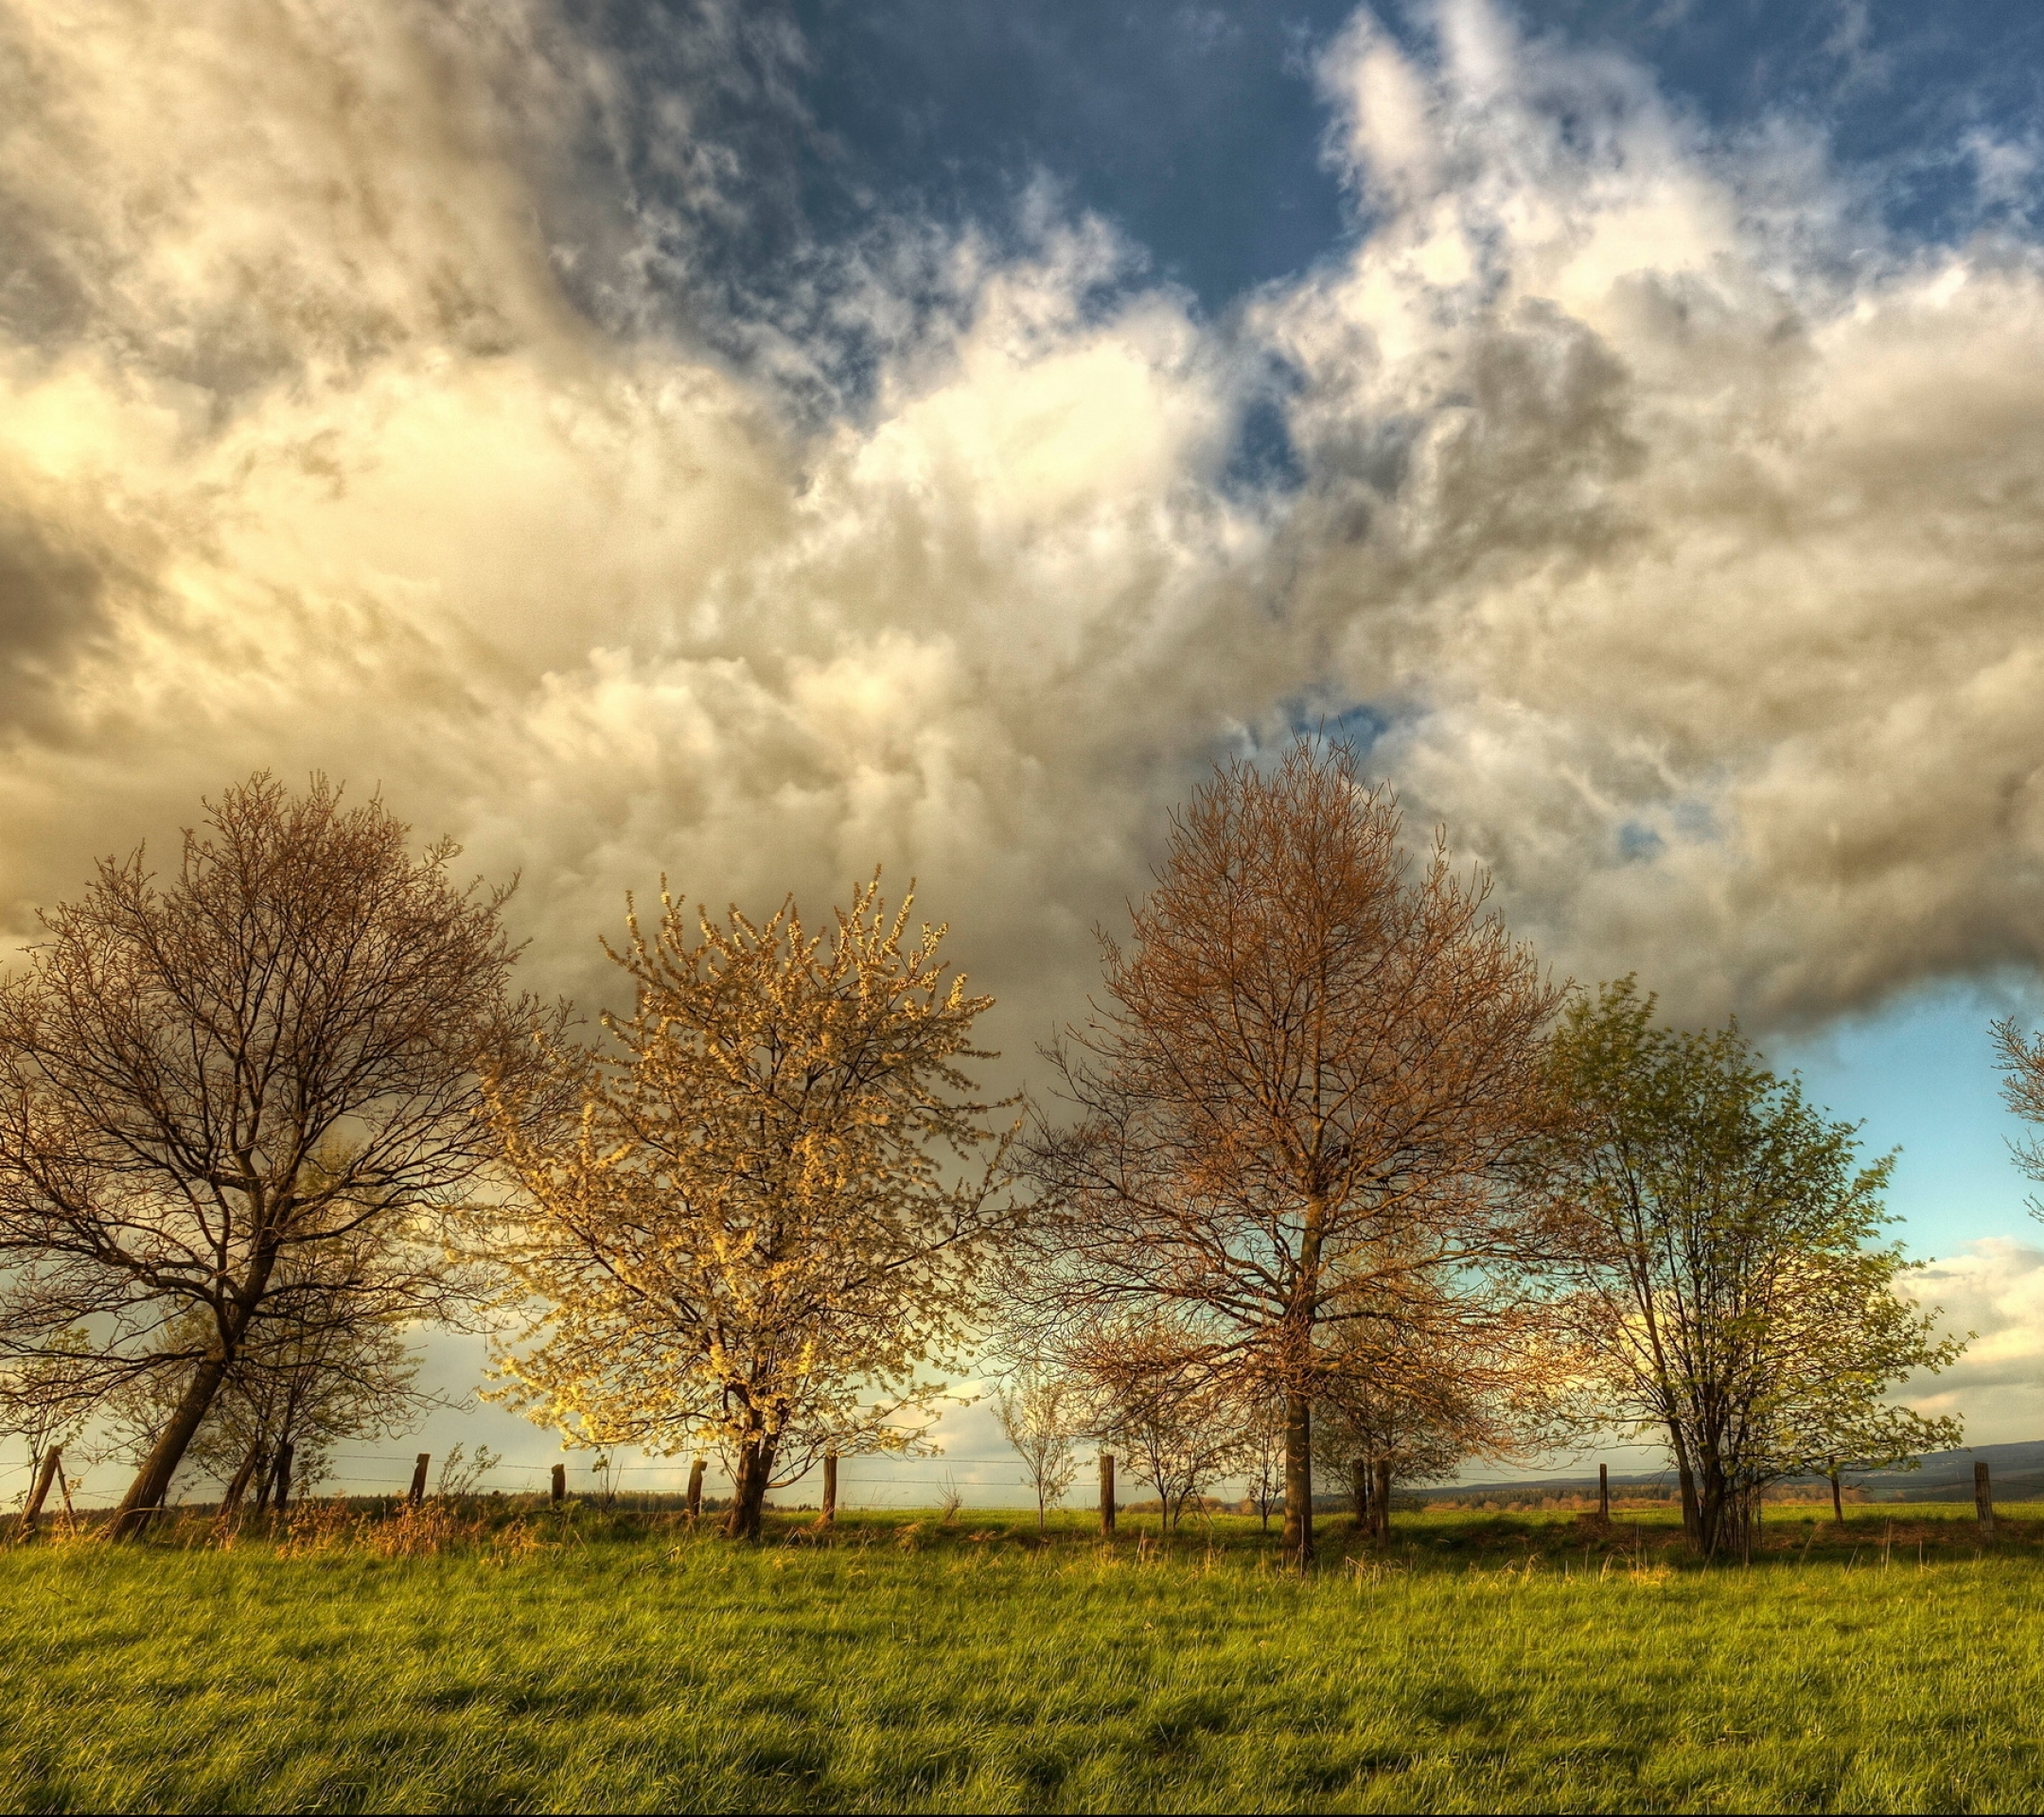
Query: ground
pixel 617 1661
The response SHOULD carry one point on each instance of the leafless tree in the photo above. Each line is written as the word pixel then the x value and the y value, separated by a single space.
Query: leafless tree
pixel 1262 1456
pixel 1040 1414
pixel 39 1397
pixel 1365 1425
pixel 1155 1402
pixel 320 1365
pixel 277 1046
pixel 1303 1100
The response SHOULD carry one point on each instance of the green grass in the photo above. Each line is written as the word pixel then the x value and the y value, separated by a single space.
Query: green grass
pixel 1488 1662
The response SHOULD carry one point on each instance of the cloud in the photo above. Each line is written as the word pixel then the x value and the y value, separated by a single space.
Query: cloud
pixel 1679 503
pixel 1994 1288
pixel 403 412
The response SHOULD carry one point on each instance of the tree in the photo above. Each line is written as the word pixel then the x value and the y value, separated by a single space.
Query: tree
pixel 1154 1403
pixel 325 1362
pixel 332 1368
pixel 1262 1453
pixel 745 1236
pixel 1874 1437
pixel 40 1394
pixel 182 1062
pixel 1730 1286
pixel 2022 1090
pixel 1387 1434
pixel 1304 1101
pixel 1408 1400
pixel 1038 1411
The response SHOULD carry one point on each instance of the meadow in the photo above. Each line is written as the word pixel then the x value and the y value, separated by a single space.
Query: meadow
pixel 617 1662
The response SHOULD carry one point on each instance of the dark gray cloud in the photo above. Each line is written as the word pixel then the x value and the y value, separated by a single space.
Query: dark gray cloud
pixel 52 599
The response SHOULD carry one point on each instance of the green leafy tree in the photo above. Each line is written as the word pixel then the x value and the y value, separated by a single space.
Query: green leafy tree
pixel 1729 1284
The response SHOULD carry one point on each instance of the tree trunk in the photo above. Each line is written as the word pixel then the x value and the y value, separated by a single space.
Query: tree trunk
pixel 285 1450
pixel 152 1481
pixel 1692 1514
pixel 45 1473
pixel 231 1502
pixel 1837 1500
pixel 1714 1507
pixel 1297 1544
pixel 1380 1507
pixel 265 1479
pixel 749 1493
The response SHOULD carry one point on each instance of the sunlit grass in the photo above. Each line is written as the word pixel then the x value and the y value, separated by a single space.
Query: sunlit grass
pixel 1488 1662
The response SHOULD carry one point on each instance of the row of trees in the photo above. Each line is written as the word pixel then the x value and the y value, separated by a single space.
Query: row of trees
pixel 1331 1171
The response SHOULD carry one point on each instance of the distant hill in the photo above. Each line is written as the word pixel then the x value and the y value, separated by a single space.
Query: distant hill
pixel 2016 1472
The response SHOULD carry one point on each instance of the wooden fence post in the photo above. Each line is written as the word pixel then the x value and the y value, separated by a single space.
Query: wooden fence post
pixel 695 1488
pixel 1603 1494
pixel 830 1487
pixel 1983 1498
pixel 45 1474
pixel 418 1479
pixel 1381 1510
pixel 1359 1492
pixel 1106 1493
pixel 284 1453
pixel 557 1487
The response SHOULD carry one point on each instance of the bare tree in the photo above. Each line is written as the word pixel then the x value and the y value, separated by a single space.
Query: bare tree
pixel 1305 1099
pixel 1040 1415
pixel 320 1365
pixel 1446 1377
pixel 1367 1426
pixel 1157 1404
pixel 746 1237
pixel 40 1396
pixel 1262 1453
pixel 276 1047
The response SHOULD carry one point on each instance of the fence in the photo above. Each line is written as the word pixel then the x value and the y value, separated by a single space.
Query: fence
pixel 389 1473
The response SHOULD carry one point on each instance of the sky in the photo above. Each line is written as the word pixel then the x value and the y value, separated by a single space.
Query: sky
pixel 753 442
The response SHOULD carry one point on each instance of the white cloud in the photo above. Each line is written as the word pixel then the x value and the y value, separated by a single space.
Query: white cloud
pixel 1688 545
pixel 1994 1288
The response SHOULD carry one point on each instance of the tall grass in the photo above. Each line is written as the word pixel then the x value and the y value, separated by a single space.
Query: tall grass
pixel 1483 1664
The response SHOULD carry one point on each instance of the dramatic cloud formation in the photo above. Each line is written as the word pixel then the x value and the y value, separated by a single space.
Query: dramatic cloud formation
pixel 376 394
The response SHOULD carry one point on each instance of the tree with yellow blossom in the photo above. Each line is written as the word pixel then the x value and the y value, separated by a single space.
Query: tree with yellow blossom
pixel 755 1217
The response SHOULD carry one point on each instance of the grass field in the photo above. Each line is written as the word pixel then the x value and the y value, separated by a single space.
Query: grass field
pixel 1486 1663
